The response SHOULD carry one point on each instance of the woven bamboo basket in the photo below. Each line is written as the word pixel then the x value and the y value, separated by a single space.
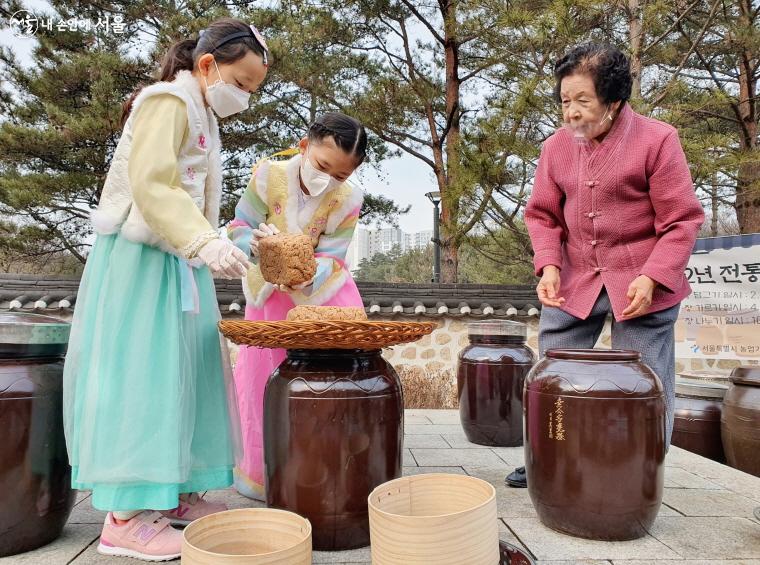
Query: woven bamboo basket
pixel 436 519
pixel 249 536
pixel 346 334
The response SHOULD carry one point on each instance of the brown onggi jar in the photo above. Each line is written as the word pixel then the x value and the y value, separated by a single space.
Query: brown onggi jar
pixel 696 426
pixel 595 443
pixel 333 431
pixel 490 379
pixel 740 422
pixel 35 477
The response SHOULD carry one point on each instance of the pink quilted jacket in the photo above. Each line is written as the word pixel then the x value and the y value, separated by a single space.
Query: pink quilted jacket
pixel 607 214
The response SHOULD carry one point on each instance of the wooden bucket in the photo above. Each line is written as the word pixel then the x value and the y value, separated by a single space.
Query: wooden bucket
pixel 249 536
pixel 436 519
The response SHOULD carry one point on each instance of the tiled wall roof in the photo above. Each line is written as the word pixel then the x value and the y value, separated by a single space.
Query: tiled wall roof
pixel 50 294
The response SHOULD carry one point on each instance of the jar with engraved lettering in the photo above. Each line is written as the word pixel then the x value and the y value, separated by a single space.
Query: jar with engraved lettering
pixel 333 431
pixel 595 443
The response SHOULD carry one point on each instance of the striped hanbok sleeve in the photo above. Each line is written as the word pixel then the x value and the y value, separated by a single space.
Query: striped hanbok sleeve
pixel 330 253
pixel 251 210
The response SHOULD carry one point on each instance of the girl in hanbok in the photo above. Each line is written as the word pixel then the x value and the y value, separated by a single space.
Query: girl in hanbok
pixel 307 194
pixel 149 414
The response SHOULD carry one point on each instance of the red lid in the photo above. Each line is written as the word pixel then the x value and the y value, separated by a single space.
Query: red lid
pixel 749 376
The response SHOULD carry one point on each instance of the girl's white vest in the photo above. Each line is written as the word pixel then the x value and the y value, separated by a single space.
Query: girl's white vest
pixel 199 164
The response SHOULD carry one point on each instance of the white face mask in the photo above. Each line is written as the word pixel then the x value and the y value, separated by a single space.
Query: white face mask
pixel 315 181
pixel 226 99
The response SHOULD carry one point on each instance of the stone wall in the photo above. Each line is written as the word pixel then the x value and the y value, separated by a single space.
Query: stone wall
pixel 428 366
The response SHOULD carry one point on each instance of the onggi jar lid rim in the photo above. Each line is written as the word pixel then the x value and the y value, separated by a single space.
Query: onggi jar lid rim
pixel 497 328
pixel 749 376
pixel 21 328
pixel 714 391
pixel 704 377
pixel 599 355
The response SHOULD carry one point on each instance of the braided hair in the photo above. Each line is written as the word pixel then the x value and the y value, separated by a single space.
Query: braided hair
pixel 347 132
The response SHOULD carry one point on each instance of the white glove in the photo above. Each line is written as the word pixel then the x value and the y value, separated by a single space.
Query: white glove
pixel 265 230
pixel 224 259
pixel 303 285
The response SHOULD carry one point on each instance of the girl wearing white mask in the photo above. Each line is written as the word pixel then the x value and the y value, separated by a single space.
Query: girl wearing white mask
pixel 147 380
pixel 308 194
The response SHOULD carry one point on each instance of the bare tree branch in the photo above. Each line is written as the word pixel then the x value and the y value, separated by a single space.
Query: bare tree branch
pixel 424 21
pixel 671 28
pixel 685 58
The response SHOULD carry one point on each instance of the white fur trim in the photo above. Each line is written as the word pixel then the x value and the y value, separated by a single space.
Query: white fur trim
pixel 107 221
pixel 185 87
pixel 138 231
pixel 257 301
pixel 116 196
pixel 306 214
pixel 116 210
pixel 296 220
pixel 213 188
pixel 292 168
pixel 338 215
pixel 261 179
pixel 192 86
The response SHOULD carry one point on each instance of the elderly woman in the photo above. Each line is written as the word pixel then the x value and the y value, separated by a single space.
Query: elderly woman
pixel 612 218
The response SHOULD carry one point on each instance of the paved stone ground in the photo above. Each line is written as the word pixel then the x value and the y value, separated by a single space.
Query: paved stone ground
pixel 707 515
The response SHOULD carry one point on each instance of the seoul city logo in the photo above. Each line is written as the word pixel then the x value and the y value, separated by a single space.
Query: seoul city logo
pixel 23 23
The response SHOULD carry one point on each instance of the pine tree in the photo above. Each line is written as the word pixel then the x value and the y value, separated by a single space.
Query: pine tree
pixel 724 68
pixel 60 124
pixel 60 116
pixel 411 71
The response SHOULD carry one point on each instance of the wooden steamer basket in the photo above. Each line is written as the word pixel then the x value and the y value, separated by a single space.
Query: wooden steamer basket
pixel 249 536
pixel 437 518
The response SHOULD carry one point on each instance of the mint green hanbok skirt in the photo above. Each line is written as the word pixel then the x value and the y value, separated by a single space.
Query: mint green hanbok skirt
pixel 149 405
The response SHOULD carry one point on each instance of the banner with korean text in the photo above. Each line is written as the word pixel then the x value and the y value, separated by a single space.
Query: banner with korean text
pixel 721 318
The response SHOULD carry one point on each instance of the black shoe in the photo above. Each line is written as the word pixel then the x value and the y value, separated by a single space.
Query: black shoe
pixel 517 478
